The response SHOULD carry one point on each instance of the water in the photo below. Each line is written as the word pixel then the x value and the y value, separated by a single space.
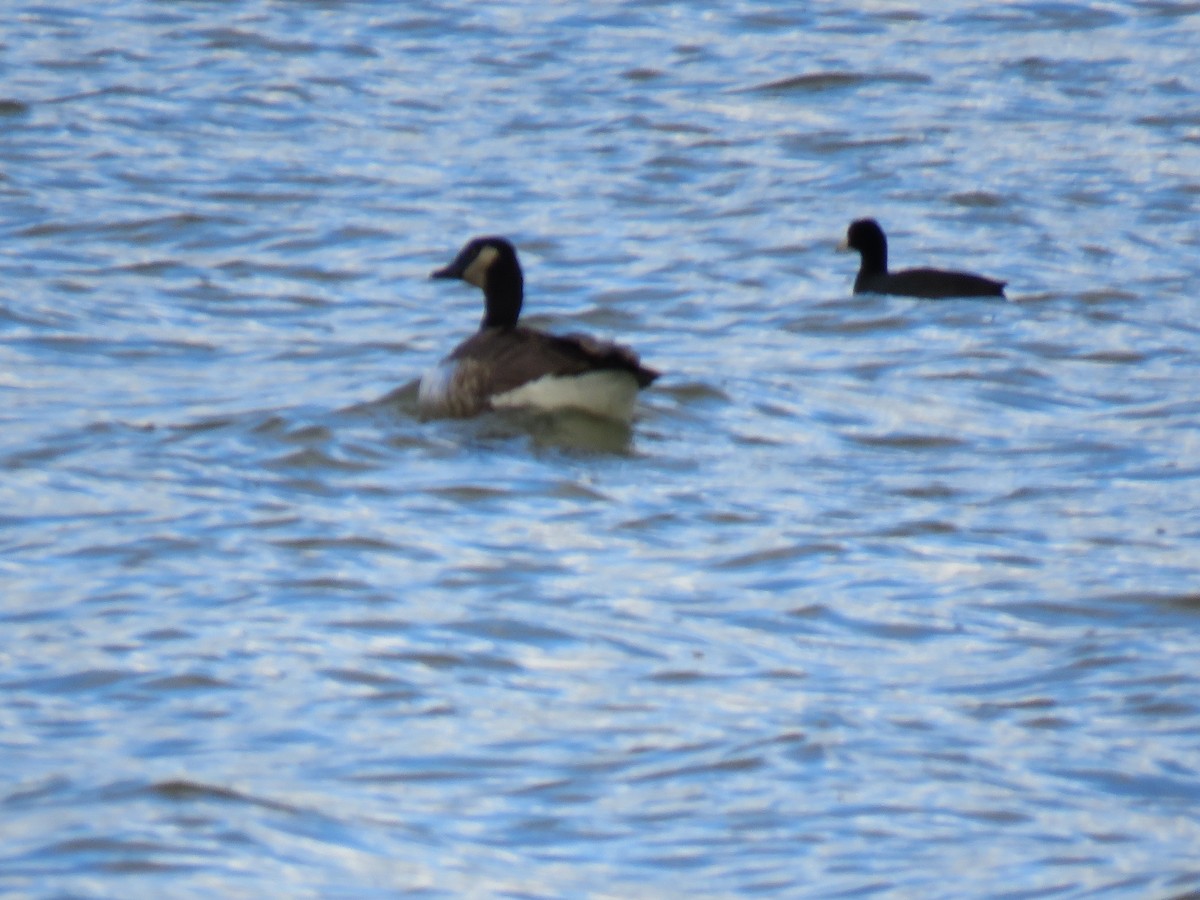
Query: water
pixel 878 596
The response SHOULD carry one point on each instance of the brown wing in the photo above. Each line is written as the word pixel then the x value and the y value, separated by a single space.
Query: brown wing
pixel 597 354
pixel 505 359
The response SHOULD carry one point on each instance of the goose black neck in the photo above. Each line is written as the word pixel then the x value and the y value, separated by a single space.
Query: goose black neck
pixel 503 294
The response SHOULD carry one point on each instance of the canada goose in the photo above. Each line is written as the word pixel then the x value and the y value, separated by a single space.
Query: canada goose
pixel 505 365
pixel 865 236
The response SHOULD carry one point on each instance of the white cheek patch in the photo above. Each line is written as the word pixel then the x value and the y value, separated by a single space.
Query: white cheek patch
pixel 476 272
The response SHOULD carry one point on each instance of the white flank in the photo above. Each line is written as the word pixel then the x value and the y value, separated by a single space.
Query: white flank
pixel 433 396
pixel 608 393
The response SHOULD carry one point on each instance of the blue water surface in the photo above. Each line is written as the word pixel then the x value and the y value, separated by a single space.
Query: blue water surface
pixel 877 597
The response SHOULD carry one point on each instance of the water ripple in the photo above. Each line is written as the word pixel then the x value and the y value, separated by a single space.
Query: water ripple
pixel 870 584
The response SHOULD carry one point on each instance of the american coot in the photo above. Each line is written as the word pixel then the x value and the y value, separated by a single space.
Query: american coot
pixel 865 236
pixel 504 365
